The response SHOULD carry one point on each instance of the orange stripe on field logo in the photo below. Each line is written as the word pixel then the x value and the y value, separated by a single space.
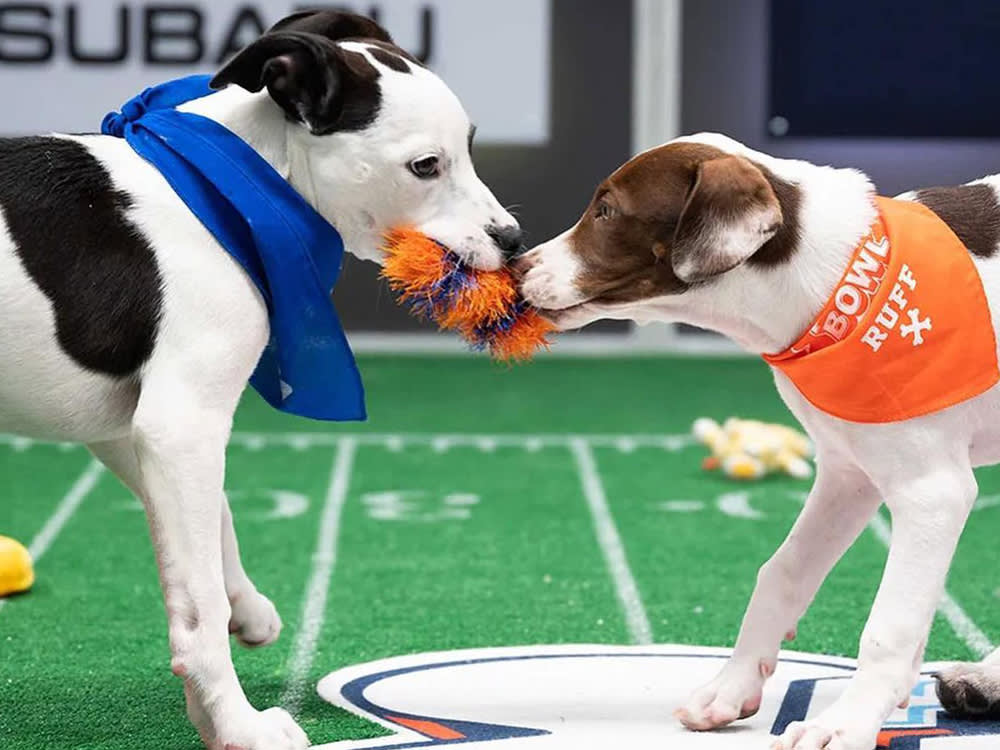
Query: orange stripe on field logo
pixel 428 728
pixel 886 737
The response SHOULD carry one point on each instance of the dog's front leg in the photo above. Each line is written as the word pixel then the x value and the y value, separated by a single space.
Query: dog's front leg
pixel 928 516
pixel 181 458
pixel 842 501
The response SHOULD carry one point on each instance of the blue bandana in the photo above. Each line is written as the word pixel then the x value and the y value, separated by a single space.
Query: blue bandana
pixel 291 252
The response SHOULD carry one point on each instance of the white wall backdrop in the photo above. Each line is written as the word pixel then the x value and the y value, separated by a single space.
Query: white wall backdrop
pixel 64 64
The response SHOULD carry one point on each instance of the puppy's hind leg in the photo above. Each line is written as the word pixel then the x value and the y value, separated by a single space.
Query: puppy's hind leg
pixel 254 621
pixel 972 690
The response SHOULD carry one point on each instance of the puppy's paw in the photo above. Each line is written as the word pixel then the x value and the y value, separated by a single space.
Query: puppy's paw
pixel 970 691
pixel 273 729
pixel 735 694
pixel 812 735
pixel 254 621
pixel 845 726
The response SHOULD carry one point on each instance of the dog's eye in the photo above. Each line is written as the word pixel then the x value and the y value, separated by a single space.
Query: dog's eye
pixel 604 211
pixel 426 167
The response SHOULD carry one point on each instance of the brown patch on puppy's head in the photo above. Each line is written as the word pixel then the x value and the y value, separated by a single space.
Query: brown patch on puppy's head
pixel 680 215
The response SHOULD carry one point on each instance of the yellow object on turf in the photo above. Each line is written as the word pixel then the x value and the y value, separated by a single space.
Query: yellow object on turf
pixel 16 571
pixel 747 449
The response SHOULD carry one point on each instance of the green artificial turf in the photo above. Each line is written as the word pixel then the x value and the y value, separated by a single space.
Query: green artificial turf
pixel 83 658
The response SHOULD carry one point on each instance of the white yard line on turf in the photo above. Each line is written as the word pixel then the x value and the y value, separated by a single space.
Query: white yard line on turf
pixel 397 441
pixel 611 544
pixel 64 511
pixel 323 561
pixel 963 625
pixel 446 441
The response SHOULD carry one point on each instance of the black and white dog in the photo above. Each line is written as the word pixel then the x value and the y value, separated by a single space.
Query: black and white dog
pixel 127 327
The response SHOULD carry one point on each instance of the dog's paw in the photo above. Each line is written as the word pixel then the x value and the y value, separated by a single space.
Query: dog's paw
pixel 836 729
pixel 813 735
pixel 273 729
pixel 970 691
pixel 734 694
pixel 254 621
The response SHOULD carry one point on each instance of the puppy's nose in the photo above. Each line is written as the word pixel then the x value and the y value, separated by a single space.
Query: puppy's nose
pixel 509 239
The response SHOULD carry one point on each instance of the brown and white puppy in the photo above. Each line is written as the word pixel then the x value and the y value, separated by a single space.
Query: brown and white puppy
pixel 706 231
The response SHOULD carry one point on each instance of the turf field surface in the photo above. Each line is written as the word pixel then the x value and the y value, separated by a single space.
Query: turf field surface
pixel 479 506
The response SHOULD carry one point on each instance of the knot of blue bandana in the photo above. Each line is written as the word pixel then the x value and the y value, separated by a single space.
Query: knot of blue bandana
pixel 291 253
pixel 115 122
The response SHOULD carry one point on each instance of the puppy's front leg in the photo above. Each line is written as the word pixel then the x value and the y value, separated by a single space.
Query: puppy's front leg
pixel 928 516
pixel 181 456
pixel 842 501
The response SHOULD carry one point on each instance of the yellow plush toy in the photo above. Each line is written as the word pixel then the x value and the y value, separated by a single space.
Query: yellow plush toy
pixel 16 573
pixel 747 449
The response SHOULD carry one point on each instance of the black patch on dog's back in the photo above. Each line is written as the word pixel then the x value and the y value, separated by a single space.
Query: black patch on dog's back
pixel 74 239
pixel 972 212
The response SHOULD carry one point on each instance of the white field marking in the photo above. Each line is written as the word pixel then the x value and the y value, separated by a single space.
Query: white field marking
pixel 418 506
pixel 443 441
pixel 256 443
pixel 486 445
pixel 986 501
pixel 611 543
pixel 675 443
pixel 299 444
pixel 625 445
pixel 963 625
pixel 737 505
pixel 462 499
pixel 324 560
pixel 77 493
pixel 285 503
pixel 681 506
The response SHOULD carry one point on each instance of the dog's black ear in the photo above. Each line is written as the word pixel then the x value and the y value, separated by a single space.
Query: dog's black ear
pixel 315 81
pixel 334 25
pixel 730 211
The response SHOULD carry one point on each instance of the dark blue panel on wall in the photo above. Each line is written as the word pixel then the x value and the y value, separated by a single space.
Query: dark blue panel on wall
pixel 921 68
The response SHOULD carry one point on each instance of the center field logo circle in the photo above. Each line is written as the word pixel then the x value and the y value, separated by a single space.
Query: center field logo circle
pixel 573 697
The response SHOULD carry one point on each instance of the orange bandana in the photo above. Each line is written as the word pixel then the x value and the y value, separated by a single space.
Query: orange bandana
pixel 908 331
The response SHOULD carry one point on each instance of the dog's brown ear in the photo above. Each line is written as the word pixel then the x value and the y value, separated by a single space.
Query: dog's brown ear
pixel 730 212
pixel 334 25
pixel 316 82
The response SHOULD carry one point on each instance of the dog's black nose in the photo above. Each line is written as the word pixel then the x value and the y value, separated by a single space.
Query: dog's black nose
pixel 509 239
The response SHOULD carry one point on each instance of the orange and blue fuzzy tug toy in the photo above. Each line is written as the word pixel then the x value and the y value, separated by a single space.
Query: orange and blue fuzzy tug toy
pixel 16 572
pixel 482 306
